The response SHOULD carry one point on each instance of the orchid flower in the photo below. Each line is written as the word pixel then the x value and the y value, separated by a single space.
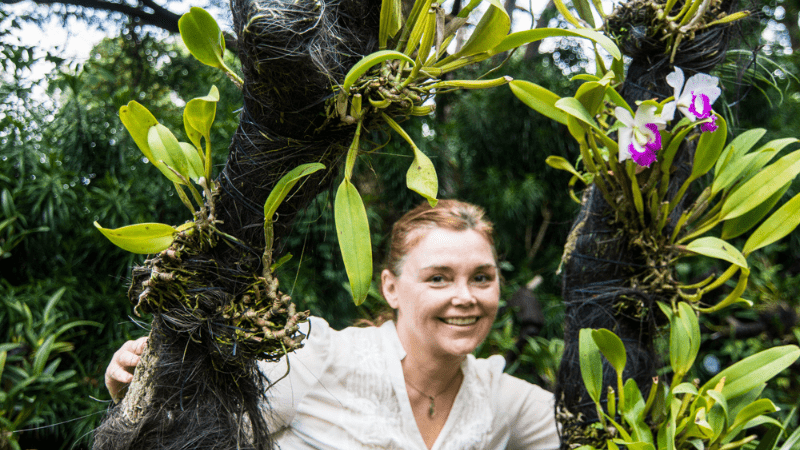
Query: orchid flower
pixel 639 139
pixel 694 99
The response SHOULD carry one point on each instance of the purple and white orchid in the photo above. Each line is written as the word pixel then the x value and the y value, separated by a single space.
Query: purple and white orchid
pixel 693 99
pixel 640 139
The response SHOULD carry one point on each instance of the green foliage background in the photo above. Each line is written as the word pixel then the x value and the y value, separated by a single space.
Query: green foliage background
pixel 67 161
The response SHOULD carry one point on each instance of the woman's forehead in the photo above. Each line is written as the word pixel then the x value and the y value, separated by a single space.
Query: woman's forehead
pixel 449 246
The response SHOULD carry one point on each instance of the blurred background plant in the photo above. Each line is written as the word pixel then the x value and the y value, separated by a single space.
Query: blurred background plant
pixel 65 161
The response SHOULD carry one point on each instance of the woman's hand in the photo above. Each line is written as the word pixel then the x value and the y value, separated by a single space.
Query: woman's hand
pixel 120 370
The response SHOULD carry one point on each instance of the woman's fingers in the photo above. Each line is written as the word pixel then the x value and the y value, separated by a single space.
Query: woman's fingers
pixel 120 370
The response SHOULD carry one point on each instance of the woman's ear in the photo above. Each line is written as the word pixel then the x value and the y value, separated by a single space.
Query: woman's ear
pixel 389 288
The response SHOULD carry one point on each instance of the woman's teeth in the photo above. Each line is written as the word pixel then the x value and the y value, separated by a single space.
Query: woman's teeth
pixel 461 321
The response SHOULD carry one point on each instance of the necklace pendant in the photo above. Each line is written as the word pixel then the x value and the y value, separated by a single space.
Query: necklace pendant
pixel 431 411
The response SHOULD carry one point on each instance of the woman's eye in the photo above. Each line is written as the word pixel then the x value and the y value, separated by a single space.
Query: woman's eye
pixel 437 279
pixel 483 278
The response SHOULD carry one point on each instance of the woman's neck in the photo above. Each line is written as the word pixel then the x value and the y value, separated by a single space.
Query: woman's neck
pixel 429 373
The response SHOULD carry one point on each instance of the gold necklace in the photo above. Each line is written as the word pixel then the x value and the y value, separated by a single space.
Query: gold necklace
pixel 431 407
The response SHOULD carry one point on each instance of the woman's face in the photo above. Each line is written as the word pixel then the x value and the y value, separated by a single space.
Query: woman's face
pixel 446 294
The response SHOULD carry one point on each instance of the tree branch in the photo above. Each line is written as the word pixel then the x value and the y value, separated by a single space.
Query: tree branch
pixel 159 17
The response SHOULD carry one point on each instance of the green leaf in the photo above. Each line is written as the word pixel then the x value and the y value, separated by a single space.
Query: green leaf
pixel 138 120
pixel 198 115
pixel 591 95
pixel 742 224
pixel 352 228
pixel 757 408
pixel 3 356
pixel 738 147
pixel 633 412
pixel 684 342
pixel 285 184
pixel 744 167
pixel 765 154
pixel 421 177
pixel 575 108
pixel 758 189
pixel 42 354
pixel 612 348
pixel 142 238
pixel 539 99
pixel 167 152
pixel 709 148
pixel 779 224
pixel 202 36
pixel 51 303
pixel 514 40
pixel 719 249
pixel 490 31
pixel 753 371
pixel 391 20
pixel 559 162
pixel 591 364
pixel 193 161
pixel 584 11
pixel 565 12
pixel 367 62
pixel 792 441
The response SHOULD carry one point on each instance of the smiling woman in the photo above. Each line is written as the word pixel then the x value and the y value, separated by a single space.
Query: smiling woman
pixel 411 383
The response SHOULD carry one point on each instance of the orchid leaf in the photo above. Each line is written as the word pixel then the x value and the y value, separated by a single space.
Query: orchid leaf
pixel 753 371
pixel 367 62
pixel 684 339
pixel 584 11
pixel 779 224
pixel 142 238
pixel 709 148
pixel 352 229
pixel 742 224
pixel 738 147
pixel 559 162
pixel 202 36
pixel 167 152
pixel 565 12
pixel 138 120
pixel 285 184
pixel 591 95
pixel 575 108
pixel 591 364
pixel 421 177
pixel 519 38
pixel 765 154
pixel 490 31
pixel 758 189
pixel 611 347
pixel 539 99
pixel 391 21
pixel 194 161
pixel 198 115
pixel 719 249
pixel 752 411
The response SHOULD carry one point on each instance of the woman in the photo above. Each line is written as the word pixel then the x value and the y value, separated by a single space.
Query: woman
pixel 411 383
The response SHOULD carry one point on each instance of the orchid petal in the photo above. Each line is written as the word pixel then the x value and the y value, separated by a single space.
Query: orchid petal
pixel 625 136
pixel 624 116
pixel 702 83
pixel 668 111
pixel 675 79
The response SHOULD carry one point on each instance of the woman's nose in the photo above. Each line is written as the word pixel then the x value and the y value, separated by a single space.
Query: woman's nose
pixel 463 294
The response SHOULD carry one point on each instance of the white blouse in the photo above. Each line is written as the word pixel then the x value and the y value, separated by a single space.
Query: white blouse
pixel 345 390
